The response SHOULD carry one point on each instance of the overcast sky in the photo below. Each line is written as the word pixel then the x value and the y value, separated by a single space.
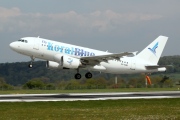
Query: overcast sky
pixel 113 25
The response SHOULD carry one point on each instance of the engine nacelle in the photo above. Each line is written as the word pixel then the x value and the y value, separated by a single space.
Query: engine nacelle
pixel 53 65
pixel 64 62
pixel 70 62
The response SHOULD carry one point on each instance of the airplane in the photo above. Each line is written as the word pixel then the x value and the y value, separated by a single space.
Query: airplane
pixel 61 55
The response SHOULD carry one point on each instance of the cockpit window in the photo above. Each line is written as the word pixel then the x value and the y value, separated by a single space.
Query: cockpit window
pixel 21 40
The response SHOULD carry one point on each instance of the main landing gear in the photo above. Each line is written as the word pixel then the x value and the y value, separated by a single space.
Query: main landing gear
pixel 88 75
pixel 77 76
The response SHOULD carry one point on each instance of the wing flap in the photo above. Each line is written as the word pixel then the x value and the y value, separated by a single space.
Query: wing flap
pixel 95 60
pixel 108 56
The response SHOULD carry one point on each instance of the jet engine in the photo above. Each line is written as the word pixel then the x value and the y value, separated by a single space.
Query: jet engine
pixel 53 65
pixel 64 62
pixel 70 62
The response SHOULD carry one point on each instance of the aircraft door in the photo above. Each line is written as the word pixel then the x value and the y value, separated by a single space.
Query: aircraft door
pixel 36 44
pixel 133 65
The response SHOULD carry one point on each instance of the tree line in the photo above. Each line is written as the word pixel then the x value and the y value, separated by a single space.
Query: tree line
pixel 94 83
pixel 18 74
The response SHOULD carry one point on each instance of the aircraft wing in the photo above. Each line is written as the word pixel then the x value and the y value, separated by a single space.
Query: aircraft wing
pixel 104 58
pixel 157 66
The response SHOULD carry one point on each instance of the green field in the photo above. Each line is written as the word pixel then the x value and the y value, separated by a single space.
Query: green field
pixel 86 90
pixel 146 109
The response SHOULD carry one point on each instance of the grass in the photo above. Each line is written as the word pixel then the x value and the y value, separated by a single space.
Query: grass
pixel 146 109
pixel 86 90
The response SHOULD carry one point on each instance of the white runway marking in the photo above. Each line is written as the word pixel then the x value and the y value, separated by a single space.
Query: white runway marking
pixel 88 96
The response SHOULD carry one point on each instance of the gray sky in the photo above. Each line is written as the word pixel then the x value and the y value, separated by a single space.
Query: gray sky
pixel 113 25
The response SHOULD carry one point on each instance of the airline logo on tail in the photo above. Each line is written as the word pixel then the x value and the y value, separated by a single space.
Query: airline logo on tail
pixel 153 50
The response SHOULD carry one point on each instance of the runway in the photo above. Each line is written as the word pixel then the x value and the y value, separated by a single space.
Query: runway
pixel 88 96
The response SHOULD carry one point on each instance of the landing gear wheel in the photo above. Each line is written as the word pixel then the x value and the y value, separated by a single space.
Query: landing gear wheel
pixel 30 65
pixel 88 75
pixel 32 59
pixel 77 76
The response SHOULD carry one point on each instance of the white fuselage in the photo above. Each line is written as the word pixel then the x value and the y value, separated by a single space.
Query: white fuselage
pixel 48 49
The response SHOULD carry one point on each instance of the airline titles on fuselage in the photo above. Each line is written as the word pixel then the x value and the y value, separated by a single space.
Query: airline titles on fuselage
pixel 66 49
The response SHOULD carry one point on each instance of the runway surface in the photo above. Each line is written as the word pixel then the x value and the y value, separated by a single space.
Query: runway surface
pixel 88 96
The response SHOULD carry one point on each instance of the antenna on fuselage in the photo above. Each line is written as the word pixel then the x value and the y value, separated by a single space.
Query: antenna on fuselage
pixel 38 36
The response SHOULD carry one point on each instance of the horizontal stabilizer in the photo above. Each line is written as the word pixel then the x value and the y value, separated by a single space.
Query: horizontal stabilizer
pixel 157 66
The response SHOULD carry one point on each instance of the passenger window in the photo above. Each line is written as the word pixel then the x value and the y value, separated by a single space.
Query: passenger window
pixel 22 40
pixel 26 41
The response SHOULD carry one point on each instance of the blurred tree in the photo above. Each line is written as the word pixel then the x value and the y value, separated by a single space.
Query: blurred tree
pixel 35 83
pixel 2 81
pixel 62 85
pixel 73 84
pixel 4 85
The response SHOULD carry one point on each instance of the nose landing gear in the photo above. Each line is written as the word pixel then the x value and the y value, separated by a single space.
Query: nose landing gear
pixel 32 60
pixel 30 65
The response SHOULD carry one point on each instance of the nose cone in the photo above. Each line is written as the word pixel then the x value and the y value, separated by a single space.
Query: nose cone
pixel 13 46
